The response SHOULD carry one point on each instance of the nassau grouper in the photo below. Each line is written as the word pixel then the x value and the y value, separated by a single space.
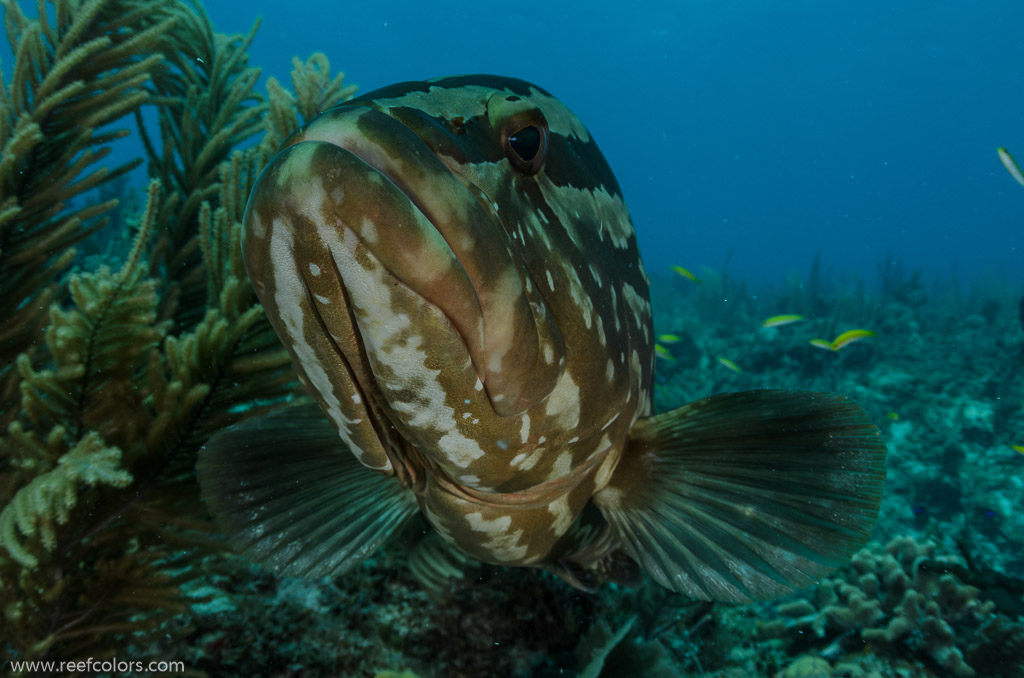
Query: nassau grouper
pixel 452 267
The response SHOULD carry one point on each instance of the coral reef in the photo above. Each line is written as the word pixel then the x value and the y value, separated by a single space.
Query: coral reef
pixel 73 76
pixel 901 600
pixel 110 380
pixel 116 367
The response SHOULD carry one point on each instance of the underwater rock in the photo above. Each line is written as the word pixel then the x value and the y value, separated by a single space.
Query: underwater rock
pixel 808 667
pixel 897 600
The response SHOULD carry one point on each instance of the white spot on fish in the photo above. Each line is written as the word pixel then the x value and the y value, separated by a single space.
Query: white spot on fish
pixel 634 364
pixel 580 295
pixel 469 480
pixel 501 544
pixel 563 403
pixel 502 445
pixel 573 440
pixel 322 299
pixel 551 281
pixel 639 307
pixel 559 508
pixel 524 432
pixel 368 231
pixel 530 459
pixel 609 370
pixel 314 269
pixel 561 467
pixel 549 354
pixel 459 449
pixel 615 309
pixel 356 399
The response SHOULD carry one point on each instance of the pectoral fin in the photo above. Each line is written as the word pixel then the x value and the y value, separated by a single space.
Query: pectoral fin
pixel 746 496
pixel 288 494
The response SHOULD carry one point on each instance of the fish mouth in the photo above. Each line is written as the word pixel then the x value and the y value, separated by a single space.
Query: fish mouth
pixel 438 235
pixel 384 207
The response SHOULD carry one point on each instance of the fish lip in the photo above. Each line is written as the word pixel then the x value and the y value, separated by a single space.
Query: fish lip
pixel 345 142
pixel 372 155
pixel 402 186
pixel 391 175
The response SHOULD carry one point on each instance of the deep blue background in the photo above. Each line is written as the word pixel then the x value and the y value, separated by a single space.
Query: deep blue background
pixel 859 128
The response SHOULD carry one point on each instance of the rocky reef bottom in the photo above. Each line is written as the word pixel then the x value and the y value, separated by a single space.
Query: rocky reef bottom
pixel 940 592
pixel 903 610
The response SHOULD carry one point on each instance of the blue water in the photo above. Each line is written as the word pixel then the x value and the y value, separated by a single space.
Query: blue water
pixel 751 135
pixel 861 129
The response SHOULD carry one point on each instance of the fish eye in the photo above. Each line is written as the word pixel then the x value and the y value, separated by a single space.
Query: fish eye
pixel 526 144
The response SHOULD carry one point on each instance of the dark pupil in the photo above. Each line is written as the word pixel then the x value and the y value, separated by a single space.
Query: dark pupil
pixel 526 142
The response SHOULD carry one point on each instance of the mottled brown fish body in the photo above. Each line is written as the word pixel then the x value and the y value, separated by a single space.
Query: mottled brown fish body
pixel 432 296
pixel 453 270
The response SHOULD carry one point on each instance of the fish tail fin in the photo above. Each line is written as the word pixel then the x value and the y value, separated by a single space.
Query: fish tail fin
pixel 747 496
pixel 288 494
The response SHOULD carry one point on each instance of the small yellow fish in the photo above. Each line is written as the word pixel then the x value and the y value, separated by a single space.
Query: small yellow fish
pixel 669 338
pixel 663 353
pixel 822 343
pixel 784 319
pixel 849 337
pixel 1017 448
pixel 1011 165
pixel 729 364
pixel 686 274
pixel 893 416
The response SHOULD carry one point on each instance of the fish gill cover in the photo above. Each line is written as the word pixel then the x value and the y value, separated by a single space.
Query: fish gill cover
pixel 131 335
